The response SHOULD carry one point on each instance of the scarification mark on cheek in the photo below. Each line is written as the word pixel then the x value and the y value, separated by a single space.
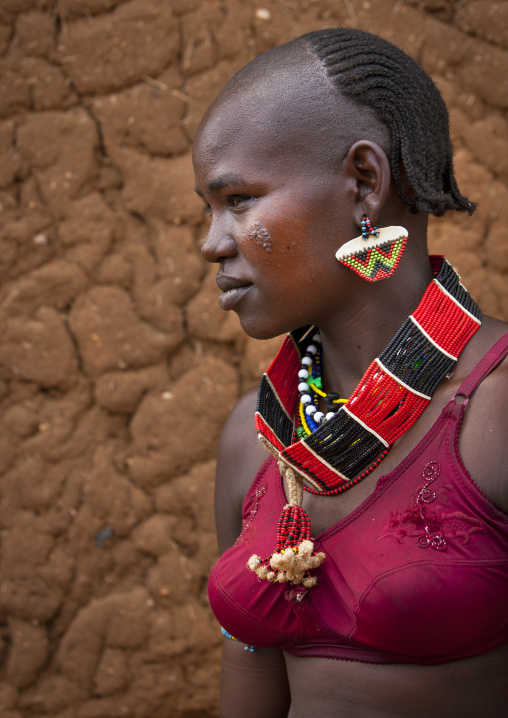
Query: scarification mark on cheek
pixel 261 236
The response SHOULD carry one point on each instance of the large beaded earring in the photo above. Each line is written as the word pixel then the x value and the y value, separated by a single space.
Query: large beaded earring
pixel 376 253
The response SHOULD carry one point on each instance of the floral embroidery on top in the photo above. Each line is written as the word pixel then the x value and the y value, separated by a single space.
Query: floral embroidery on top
pixel 430 526
pixel 427 495
pixel 260 491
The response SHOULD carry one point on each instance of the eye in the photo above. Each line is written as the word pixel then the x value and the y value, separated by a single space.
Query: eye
pixel 207 209
pixel 237 201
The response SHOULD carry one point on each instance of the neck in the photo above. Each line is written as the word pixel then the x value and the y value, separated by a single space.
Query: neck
pixel 354 338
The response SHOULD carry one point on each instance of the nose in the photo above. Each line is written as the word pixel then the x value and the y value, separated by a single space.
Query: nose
pixel 218 244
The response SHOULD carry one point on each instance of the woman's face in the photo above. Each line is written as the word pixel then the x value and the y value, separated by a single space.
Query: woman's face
pixel 279 211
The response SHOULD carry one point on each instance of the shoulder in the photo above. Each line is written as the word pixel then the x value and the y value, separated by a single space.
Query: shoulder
pixel 240 451
pixel 239 457
pixel 483 444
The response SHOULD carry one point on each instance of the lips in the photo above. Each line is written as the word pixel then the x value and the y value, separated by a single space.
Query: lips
pixel 233 291
pixel 226 283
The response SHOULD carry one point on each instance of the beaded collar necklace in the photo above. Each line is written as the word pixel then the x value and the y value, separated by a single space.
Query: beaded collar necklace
pixel 390 397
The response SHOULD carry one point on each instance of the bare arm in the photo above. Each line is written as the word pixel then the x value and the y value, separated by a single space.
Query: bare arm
pixel 254 684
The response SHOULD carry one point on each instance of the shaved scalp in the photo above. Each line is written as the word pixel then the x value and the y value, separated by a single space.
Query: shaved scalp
pixel 341 85
pixel 288 90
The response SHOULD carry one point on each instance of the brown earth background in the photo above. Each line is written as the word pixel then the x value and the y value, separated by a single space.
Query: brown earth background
pixel 117 368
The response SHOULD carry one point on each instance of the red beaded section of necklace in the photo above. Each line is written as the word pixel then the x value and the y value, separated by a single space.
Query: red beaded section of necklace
pixel 384 404
pixel 438 313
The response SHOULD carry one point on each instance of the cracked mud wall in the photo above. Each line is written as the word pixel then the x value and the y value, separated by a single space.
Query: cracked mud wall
pixel 117 368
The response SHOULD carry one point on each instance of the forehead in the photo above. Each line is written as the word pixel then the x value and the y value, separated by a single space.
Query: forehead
pixel 262 122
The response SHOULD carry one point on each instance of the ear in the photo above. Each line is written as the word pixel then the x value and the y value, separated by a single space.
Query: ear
pixel 367 164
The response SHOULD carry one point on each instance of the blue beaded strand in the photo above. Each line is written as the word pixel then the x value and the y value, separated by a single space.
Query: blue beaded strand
pixel 232 638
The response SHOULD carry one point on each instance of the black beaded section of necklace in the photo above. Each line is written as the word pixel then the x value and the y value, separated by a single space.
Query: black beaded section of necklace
pixel 413 359
pixel 270 409
pixel 450 280
pixel 344 444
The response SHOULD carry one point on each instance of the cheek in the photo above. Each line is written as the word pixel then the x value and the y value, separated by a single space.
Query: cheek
pixel 278 236
pixel 261 237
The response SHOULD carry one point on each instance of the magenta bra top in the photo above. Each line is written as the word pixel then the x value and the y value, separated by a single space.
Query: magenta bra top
pixel 418 573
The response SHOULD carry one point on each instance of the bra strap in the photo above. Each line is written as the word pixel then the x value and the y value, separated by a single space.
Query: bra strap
pixel 489 362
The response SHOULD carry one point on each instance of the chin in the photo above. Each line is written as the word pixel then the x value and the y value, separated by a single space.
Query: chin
pixel 262 327
pixel 259 329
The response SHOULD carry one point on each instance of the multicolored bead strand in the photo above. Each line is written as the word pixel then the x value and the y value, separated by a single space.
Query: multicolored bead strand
pixel 368 229
pixel 310 388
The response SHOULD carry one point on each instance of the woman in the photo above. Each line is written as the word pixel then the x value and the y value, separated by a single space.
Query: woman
pixel 370 576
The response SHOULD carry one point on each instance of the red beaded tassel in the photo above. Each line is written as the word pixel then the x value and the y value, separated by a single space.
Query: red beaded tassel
pixel 294 556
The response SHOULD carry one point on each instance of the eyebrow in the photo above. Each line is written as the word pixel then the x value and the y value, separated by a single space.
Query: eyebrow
pixel 228 180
